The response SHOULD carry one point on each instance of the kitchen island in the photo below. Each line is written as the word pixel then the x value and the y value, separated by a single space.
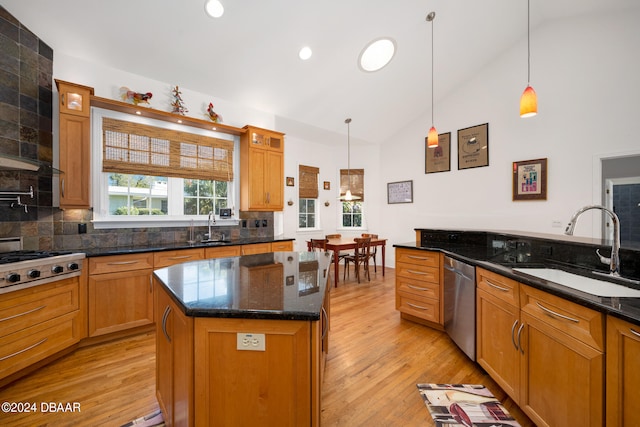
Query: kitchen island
pixel 242 340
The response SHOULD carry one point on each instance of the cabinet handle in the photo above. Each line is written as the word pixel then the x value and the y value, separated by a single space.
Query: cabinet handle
pixel 23 350
pixel 417 306
pixel 122 262
pixel 62 187
pixel 421 258
pixel 62 98
pixel 150 284
pixel 23 314
pixel 164 322
pixel 493 285
pixel 519 338
pixel 553 313
pixel 326 323
pixel 422 273
pixel 636 333
pixel 513 335
pixel 417 288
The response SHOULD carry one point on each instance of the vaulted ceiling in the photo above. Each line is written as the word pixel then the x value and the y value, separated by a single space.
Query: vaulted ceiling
pixel 250 54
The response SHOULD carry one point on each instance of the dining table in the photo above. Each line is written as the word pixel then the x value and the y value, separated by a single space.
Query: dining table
pixel 345 244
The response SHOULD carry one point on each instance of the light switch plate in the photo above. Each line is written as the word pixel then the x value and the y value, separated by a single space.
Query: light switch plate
pixel 251 342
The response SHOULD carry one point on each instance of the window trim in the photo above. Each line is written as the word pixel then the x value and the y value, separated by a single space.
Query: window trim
pixel 99 180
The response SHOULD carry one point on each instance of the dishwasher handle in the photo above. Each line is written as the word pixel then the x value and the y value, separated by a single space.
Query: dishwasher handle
pixel 458 272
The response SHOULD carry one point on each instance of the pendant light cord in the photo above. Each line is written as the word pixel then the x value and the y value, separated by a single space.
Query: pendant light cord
pixel 432 71
pixel 528 43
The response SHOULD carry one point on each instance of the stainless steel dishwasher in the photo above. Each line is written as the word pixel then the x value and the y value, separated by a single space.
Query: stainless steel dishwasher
pixel 460 304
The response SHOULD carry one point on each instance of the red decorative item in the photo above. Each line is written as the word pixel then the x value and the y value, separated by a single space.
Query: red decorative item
pixel 215 117
pixel 135 98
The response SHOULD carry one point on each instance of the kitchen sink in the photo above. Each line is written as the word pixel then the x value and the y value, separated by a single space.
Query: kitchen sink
pixel 214 242
pixel 600 288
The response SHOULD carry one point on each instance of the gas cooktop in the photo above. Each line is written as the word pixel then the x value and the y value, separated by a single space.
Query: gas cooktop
pixel 17 256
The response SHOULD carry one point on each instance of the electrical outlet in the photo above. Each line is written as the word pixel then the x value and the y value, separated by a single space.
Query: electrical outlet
pixel 264 222
pixel 257 223
pixel 251 342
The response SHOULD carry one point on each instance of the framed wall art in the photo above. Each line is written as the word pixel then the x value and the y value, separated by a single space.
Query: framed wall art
pixel 438 159
pixel 473 147
pixel 290 181
pixel 326 185
pixel 530 180
pixel 400 192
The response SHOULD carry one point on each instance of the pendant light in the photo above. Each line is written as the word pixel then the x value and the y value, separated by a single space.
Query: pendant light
pixel 432 137
pixel 348 197
pixel 529 99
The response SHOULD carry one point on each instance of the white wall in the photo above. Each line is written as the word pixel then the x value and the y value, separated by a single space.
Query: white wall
pixel 585 73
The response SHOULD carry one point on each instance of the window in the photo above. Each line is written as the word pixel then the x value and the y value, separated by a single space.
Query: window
pixel 308 197
pixel 352 210
pixel 160 173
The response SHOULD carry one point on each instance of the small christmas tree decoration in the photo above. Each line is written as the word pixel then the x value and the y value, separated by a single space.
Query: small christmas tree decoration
pixel 215 117
pixel 178 104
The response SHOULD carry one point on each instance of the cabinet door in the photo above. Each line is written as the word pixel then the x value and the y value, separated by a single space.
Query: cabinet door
pixel 274 180
pixel 119 301
pixel 497 351
pixel 623 373
pixel 164 353
pixel 74 161
pixel 282 246
pixel 562 377
pixel 74 99
pixel 257 248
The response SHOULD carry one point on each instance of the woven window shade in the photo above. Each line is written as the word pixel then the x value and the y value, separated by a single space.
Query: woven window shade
pixel 308 182
pixel 139 149
pixel 357 182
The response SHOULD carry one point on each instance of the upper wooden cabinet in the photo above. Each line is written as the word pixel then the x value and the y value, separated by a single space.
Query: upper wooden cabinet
pixel 74 144
pixel 261 170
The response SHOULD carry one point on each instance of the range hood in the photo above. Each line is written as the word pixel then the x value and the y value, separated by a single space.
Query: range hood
pixel 12 163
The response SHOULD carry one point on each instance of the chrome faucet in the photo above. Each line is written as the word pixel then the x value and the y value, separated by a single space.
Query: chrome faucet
pixel 210 222
pixel 614 260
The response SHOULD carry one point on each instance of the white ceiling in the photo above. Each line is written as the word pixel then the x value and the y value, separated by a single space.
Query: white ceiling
pixel 250 55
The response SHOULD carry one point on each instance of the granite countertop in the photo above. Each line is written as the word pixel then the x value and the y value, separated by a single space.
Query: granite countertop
pixel 158 247
pixel 278 285
pixel 624 308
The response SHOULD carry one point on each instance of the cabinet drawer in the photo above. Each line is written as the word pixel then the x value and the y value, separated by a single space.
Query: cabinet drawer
pixel 116 263
pixel 580 322
pixel 426 258
pixel 423 308
pixel 281 246
pixel 28 346
pixel 23 309
pixel 167 258
pixel 222 252
pixel 257 248
pixel 417 272
pixel 418 288
pixel 498 286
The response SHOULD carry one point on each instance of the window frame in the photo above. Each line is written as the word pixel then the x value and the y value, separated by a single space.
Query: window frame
pixel 315 214
pixel 99 179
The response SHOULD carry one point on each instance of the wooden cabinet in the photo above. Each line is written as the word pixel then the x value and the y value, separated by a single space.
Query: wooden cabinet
pixel 282 246
pixel 39 322
pixel 74 144
pixel 174 361
pixel 222 252
pixel 256 248
pixel 546 352
pixel 167 258
pixel 419 285
pixel 120 292
pixel 261 170
pixel 623 373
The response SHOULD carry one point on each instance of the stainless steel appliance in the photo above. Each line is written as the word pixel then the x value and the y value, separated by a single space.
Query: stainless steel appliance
pixel 460 304
pixel 23 269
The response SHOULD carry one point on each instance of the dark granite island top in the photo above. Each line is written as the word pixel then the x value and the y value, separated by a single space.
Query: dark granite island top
pixel 279 285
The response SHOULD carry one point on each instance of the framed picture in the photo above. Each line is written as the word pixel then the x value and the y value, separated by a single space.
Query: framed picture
pixel 473 147
pixel 438 159
pixel 327 185
pixel 290 181
pixel 530 180
pixel 400 192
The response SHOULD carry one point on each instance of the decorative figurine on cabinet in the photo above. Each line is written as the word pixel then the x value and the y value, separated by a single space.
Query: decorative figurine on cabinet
pixel 178 104
pixel 215 117
pixel 134 97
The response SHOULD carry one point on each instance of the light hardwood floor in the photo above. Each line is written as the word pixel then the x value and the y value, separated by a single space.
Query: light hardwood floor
pixel 375 361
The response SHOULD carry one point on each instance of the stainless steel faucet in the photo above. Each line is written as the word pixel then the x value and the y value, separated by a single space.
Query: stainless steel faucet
pixel 210 222
pixel 614 260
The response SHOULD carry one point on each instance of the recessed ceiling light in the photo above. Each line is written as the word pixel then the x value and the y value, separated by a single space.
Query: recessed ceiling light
pixel 305 53
pixel 213 8
pixel 377 54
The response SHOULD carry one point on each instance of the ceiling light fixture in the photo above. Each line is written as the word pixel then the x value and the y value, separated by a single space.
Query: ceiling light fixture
pixel 377 54
pixel 432 137
pixel 348 197
pixel 214 8
pixel 305 53
pixel 529 99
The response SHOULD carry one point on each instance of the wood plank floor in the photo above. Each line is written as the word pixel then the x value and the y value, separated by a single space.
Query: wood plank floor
pixel 375 361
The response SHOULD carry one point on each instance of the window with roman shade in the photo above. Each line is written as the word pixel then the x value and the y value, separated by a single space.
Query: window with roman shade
pixel 308 195
pixel 135 148
pixel 357 182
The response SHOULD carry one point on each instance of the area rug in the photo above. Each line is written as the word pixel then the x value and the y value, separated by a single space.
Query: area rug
pixel 464 405
pixel 152 420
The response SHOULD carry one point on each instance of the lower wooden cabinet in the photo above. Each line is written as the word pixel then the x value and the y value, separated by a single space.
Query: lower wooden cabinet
pixel 623 373
pixel 419 285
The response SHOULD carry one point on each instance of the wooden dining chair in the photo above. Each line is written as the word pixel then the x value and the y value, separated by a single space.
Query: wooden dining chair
pixel 374 250
pixel 360 257
pixel 340 255
pixel 319 245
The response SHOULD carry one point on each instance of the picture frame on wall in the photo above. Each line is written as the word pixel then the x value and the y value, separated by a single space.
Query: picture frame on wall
pixel 530 180
pixel 473 147
pixel 438 159
pixel 290 181
pixel 400 192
